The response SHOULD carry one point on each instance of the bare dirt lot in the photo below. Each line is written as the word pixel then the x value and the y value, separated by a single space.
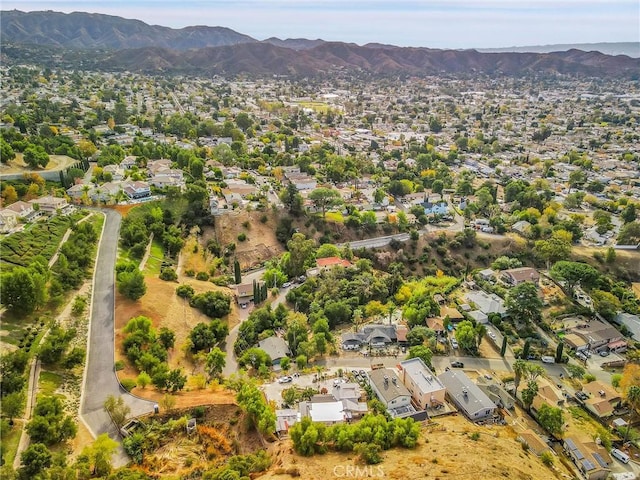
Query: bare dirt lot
pixel 17 165
pixel 446 450
pixel 166 309
pixel 259 227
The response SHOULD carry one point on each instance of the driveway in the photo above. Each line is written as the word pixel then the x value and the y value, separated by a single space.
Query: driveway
pixel 100 379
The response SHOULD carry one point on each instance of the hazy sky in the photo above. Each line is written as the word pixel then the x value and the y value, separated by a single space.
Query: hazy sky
pixel 425 23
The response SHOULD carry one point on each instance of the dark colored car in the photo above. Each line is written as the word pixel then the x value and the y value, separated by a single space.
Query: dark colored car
pixel 457 364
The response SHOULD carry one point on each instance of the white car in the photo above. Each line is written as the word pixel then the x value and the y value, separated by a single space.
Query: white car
pixel 454 343
pixel 286 379
pixel 286 284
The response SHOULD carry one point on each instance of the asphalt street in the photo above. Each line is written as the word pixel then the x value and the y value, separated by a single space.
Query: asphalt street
pixel 100 379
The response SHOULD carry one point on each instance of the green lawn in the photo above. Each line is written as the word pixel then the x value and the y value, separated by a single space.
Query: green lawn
pixel 49 382
pixel 10 443
pixel 154 262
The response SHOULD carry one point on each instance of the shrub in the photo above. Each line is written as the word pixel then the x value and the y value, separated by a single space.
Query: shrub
pixel 168 274
pixel 203 276
pixel 589 377
pixel 119 365
pixel 242 237
pixel 190 272
pixel 264 219
pixel 547 458
pixel 74 357
pixel 185 291
pixel 128 383
pixel 475 436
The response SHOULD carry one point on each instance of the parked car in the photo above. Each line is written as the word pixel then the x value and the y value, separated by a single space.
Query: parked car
pixel 605 353
pixel 454 343
pixel 286 284
pixel 582 395
pixel 457 364
pixel 362 373
pixel 285 379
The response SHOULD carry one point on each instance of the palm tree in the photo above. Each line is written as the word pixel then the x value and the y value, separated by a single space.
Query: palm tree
pixel 633 399
pixel 520 367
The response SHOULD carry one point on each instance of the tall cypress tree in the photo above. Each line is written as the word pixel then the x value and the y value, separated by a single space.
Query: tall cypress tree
pixel 236 271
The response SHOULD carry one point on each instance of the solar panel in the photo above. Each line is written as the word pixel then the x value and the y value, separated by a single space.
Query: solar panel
pixel 588 465
pixel 578 454
pixel 570 444
pixel 600 460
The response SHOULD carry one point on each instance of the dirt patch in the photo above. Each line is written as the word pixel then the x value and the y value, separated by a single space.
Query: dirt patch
pixel 446 450
pixel 123 209
pixel 259 227
pixel 17 165
pixel 166 309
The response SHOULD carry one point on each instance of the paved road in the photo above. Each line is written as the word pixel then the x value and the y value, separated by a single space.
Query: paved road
pixel 100 379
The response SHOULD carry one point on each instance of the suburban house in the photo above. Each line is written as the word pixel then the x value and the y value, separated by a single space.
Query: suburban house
pixel 324 409
pixel 349 394
pixel 244 294
pixel 427 391
pixel 486 302
pixel 632 322
pixel 451 312
pixel 389 389
pixel 496 392
pixel 436 324
pixel 603 399
pixel 531 439
pixel 522 228
pixel 575 342
pixel 592 459
pixel 24 210
pixel 128 163
pixel 8 220
pixel 286 418
pixel 330 262
pixel 599 335
pixel 276 348
pixel 375 335
pixel 516 276
pixel 487 274
pixel 467 396
pixel 116 172
pixel 547 393
pixel 439 208
pixel 51 205
pixel 136 190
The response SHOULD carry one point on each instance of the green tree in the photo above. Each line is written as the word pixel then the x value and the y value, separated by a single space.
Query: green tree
pixel 519 370
pixel 13 405
pixel 629 214
pixel 35 156
pixel 605 303
pixel 49 424
pixel 300 252
pixel 423 352
pixel 574 273
pixel 117 409
pixel 632 397
pixel 325 198
pixel 99 454
pixel 529 393
pixel 629 234
pixel 466 336
pixel 6 151
pixel 418 335
pixel 503 349
pixel 236 272
pixel 559 350
pixel 18 292
pixel 255 358
pixel 551 419
pixel 523 303
pixel 131 284
pixel 215 362
pixel 167 338
pixel 292 199
pixel 35 459
pixel 555 248
pixel 576 371
pixel 143 380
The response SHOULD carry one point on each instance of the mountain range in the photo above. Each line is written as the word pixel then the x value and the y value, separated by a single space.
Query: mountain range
pixel 122 44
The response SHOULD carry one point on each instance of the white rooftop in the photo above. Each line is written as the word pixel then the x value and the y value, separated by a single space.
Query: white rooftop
pixel 326 412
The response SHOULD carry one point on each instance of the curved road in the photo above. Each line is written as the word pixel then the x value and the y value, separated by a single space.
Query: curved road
pixel 100 379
